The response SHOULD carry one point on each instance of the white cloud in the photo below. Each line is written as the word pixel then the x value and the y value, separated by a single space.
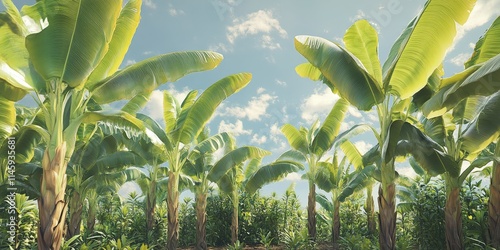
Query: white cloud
pixel 293 177
pixel 460 59
pixel 150 4
pixel 267 42
pixel 129 62
pixel 406 171
pixel 354 112
pixel 174 12
pixel 220 47
pixel 318 105
pixel 235 129
pixel 154 108
pixel 363 146
pixel 281 83
pixel 258 139
pixel 260 90
pixel 255 109
pixel 261 21
pixel 483 12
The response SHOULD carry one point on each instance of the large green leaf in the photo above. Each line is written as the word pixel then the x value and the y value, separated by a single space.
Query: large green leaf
pixel 292 156
pixel 154 127
pixel 396 49
pixel 296 140
pixel 488 45
pixel 359 180
pixel 15 74
pixel 353 131
pixel 307 70
pixel 330 129
pixel 111 182
pixel 210 145
pixel 438 128
pixel 75 40
pixel 137 103
pixel 324 177
pixel 233 159
pixel 7 118
pixel 171 110
pixel 361 40
pixel 342 69
pixel 324 202
pixel 204 107
pixel 467 109
pixel 423 53
pixel 117 160
pixel 485 81
pixel 405 139
pixel 269 173
pixel 485 128
pixel 118 45
pixel 352 153
pixel 26 139
pixel 147 75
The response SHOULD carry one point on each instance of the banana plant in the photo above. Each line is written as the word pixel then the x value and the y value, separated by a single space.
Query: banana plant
pixel 355 73
pixel 201 166
pixel 69 53
pixel 312 144
pixel 183 123
pixel 100 164
pixel 233 176
pixel 338 180
pixel 471 98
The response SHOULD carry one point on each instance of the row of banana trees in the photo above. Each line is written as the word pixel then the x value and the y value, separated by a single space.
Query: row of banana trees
pixel 71 144
pixel 71 68
pixel 441 122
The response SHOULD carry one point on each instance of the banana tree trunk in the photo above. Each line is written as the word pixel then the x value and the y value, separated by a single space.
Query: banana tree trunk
pixel 311 211
pixel 173 210
pixel 494 206
pixel 387 216
pixel 234 221
pixel 370 211
pixel 91 214
pixel 51 205
pixel 453 220
pixel 336 224
pixel 201 221
pixel 150 206
pixel 75 215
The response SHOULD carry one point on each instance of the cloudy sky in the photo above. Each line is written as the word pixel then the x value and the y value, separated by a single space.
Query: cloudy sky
pixel 256 36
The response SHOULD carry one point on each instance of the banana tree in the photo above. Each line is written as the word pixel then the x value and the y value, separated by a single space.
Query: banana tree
pixel 183 124
pixel 337 179
pixel 201 165
pixel 354 72
pixel 312 144
pixel 464 96
pixel 69 53
pixel 98 164
pixel 233 176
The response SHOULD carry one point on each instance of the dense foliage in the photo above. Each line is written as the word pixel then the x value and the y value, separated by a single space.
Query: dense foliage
pixel 273 220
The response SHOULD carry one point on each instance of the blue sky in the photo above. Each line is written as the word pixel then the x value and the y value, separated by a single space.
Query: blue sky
pixel 256 36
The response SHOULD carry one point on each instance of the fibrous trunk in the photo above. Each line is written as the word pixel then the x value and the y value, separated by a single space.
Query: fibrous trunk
pixel 173 210
pixel 311 211
pixel 75 215
pixel 387 217
pixel 234 221
pixel 494 207
pixel 51 205
pixel 453 220
pixel 336 224
pixel 150 207
pixel 201 221
pixel 370 212
pixel 91 219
